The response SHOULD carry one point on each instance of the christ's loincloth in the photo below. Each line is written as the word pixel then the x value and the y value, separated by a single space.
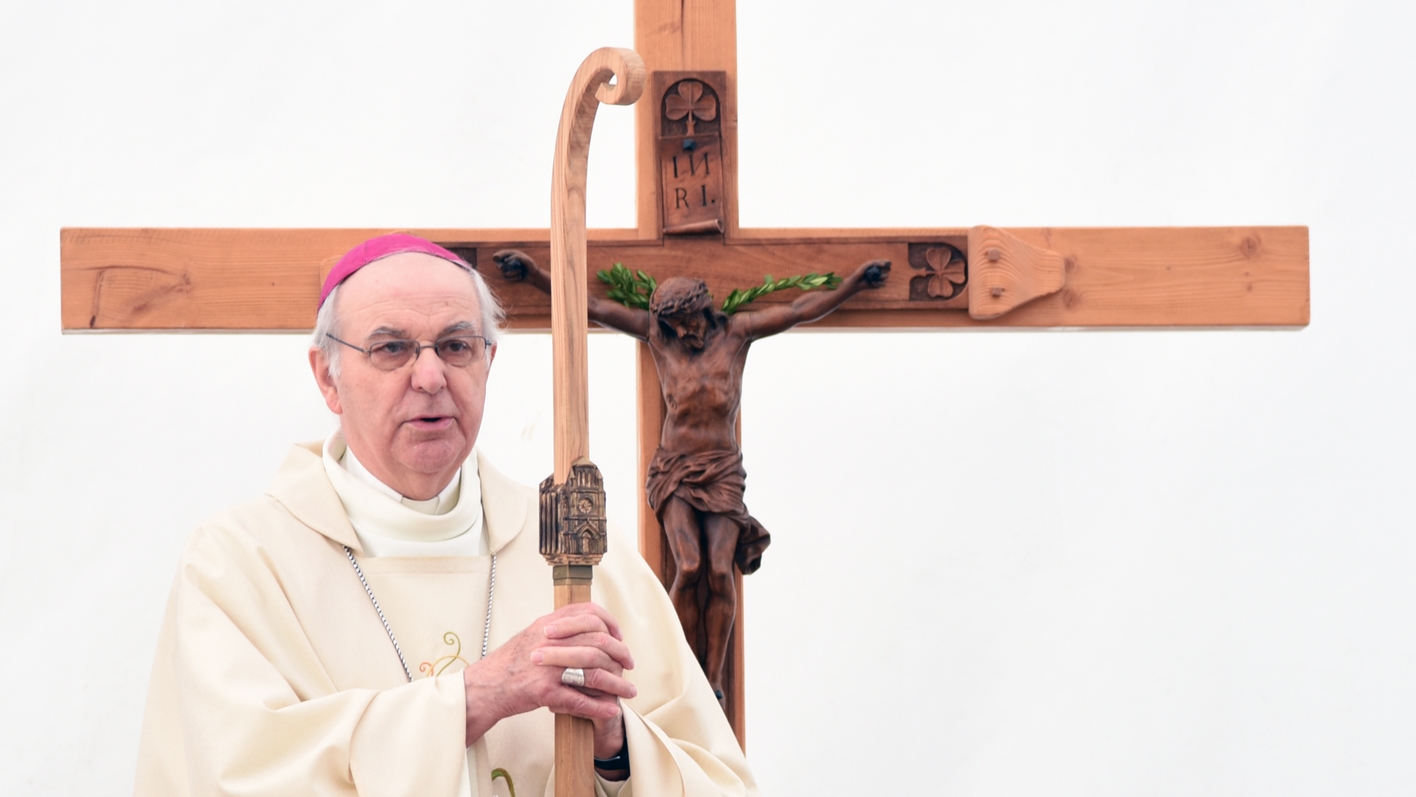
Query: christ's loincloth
pixel 711 481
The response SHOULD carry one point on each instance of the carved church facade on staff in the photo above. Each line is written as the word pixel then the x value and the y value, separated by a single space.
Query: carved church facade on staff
pixel 573 529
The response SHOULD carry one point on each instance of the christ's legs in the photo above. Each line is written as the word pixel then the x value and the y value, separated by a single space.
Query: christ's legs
pixel 722 533
pixel 680 522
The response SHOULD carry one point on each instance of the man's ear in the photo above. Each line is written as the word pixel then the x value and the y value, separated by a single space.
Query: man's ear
pixel 319 364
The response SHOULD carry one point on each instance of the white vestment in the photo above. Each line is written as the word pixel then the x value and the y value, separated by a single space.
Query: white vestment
pixel 274 674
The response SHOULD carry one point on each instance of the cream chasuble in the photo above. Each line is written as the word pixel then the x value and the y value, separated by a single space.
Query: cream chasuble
pixel 274 675
pixel 399 535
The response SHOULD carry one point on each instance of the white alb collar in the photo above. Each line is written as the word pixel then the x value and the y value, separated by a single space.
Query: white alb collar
pixel 387 526
pixel 440 504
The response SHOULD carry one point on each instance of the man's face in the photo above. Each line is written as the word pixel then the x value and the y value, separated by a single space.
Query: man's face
pixel 412 427
pixel 691 329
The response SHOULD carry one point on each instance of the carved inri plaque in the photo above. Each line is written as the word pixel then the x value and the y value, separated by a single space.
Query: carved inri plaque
pixel 691 157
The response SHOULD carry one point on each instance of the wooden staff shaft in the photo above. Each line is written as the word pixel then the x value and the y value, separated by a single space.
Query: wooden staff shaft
pixel 569 320
pixel 575 737
pixel 575 743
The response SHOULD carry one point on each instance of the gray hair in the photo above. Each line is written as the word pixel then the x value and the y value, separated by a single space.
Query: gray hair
pixel 327 321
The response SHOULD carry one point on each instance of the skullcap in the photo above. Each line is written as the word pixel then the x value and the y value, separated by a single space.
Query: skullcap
pixel 379 248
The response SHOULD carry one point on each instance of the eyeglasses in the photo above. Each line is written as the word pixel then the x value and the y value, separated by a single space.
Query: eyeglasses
pixel 390 355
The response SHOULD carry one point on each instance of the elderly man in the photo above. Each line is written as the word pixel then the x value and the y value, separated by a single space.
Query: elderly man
pixel 380 621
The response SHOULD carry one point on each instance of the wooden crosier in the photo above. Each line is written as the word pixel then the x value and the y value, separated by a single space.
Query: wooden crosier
pixel 573 532
pixel 214 279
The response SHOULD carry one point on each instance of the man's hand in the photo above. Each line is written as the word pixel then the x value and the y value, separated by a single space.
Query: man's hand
pixel 525 673
pixel 873 274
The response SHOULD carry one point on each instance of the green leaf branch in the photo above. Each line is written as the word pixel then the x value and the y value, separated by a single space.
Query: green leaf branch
pixel 633 288
pixel 629 288
pixel 805 282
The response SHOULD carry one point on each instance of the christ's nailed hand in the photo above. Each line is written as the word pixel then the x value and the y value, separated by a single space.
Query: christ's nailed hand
pixel 875 272
pixel 512 263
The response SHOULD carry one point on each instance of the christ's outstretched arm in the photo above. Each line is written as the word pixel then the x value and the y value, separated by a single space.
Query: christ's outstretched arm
pixel 814 305
pixel 517 266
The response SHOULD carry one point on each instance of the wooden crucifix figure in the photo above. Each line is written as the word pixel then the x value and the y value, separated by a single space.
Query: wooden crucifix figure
pixel 687 225
pixel 696 477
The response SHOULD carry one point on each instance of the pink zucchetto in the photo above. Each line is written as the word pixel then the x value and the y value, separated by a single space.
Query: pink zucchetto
pixel 377 249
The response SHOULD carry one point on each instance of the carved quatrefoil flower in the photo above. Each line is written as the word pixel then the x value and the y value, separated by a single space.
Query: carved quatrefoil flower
pixel 693 102
pixel 949 272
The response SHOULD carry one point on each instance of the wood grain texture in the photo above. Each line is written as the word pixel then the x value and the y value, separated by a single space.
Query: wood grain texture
pixel 1006 272
pixel 684 36
pixel 735 674
pixel 735 679
pixel 590 87
pixel 575 737
pixel 650 421
pixel 215 279
pixel 692 185
pixel 575 744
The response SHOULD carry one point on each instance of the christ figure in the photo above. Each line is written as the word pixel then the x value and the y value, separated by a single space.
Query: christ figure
pixel 696 479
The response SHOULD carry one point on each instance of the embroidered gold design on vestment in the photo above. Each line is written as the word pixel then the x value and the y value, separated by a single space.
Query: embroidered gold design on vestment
pixel 439 665
pixel 506 776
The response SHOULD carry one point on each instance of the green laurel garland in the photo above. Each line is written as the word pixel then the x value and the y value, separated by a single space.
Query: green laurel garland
pixel 806 282
pixel 633 288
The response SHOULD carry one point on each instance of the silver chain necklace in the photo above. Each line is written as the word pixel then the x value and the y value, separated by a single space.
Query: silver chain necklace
pixel 486 629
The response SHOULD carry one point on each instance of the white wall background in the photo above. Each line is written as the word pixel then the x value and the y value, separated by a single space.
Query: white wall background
pixel 1095 563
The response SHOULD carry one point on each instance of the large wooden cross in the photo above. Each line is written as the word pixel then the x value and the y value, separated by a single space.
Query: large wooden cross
pixel 686 142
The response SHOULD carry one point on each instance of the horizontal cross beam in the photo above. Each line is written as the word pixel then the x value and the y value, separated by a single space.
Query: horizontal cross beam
pixel 149 279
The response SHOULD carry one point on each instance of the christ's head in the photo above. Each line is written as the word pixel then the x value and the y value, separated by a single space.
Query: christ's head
pixel 420 330
pixel 682 307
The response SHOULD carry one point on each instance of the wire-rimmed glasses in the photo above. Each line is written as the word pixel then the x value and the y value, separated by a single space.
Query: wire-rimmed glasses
pixel 389 355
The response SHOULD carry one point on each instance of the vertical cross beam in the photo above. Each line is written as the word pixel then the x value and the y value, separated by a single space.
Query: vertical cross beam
pixel 686 36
